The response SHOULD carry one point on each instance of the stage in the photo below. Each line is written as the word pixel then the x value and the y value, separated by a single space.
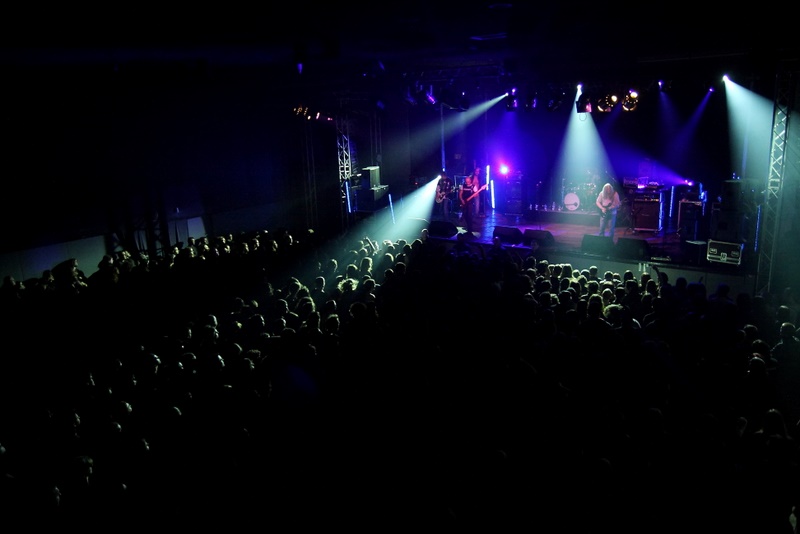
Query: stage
pixel 563 236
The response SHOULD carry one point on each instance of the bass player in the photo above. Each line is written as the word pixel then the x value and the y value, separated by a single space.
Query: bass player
pixel 444 200
pixel 467 195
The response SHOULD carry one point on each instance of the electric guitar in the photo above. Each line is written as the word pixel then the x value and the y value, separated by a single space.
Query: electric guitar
pixel 443 189
pixel 475 194
pixel 604 211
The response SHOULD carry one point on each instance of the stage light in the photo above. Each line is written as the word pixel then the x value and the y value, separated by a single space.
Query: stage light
pixel 583 104
pixel 424 95
pixel 430 98
pixel 555 101
pixel 454 99
pixel 664 86
pixel 306 113
pixel 409 98
pixel 631 100
pixel 301 111
pixel 512 100
pixel 606 103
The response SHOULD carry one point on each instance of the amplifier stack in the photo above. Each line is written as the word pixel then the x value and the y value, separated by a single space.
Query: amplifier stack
pixel 646 212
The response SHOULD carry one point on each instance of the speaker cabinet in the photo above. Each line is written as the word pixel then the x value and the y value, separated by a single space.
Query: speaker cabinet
pixel 371 199
pixel 732 194
pixel 727 225
pixel 543 238
pixel 695 251
pixel 513 207
pixel 690 214
pixel 598 245
pixel 632 249
pixel 370 177
pixel 513 190
pixel 646 215
pixel 508 234
pixel 416 225
pixel 442 229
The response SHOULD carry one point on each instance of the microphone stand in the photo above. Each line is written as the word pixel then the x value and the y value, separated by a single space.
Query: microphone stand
pixel 632 220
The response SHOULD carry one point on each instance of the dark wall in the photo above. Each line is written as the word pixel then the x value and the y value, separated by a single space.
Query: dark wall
pixel 89 148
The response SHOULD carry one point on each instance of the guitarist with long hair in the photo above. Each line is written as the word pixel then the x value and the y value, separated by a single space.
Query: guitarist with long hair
pixel 444 188
pixel 608 202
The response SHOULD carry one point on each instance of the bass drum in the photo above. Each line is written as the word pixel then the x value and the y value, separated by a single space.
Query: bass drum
pixel 572 201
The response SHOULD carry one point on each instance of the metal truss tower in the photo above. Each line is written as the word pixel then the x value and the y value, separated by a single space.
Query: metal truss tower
pixel 772 204
pixel 347 162
pixel 343 147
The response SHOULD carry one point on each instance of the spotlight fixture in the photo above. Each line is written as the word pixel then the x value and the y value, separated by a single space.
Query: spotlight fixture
pixel 606 102
pixel 424 95
pixel 430 98
pixel 301 111
pixel 532 102
pixel 306 113
pixel 555 101
pixel 451 98
pixel 512 101
pixel 631 100
pixel 409 98
pixel 584 103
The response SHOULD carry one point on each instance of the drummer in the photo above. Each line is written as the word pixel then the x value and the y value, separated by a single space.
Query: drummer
pixel 595 179
pixel 592 187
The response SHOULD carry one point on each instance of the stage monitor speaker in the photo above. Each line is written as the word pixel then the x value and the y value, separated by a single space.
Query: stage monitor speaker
pixel 542 237
pixel 695 251
pixel 597 244
pixel 416 225
pixel 442 229
pixel 508 234
pixel 632 249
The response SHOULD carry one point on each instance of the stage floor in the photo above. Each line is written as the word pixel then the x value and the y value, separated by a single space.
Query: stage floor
pixel 571 236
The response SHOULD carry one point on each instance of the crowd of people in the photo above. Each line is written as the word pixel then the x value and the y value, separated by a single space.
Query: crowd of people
pixel 407 383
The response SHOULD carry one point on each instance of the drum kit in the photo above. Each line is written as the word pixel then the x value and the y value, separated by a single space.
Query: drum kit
pixel 580 195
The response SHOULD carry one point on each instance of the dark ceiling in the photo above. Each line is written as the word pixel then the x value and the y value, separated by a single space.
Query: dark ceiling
pixel 428 41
